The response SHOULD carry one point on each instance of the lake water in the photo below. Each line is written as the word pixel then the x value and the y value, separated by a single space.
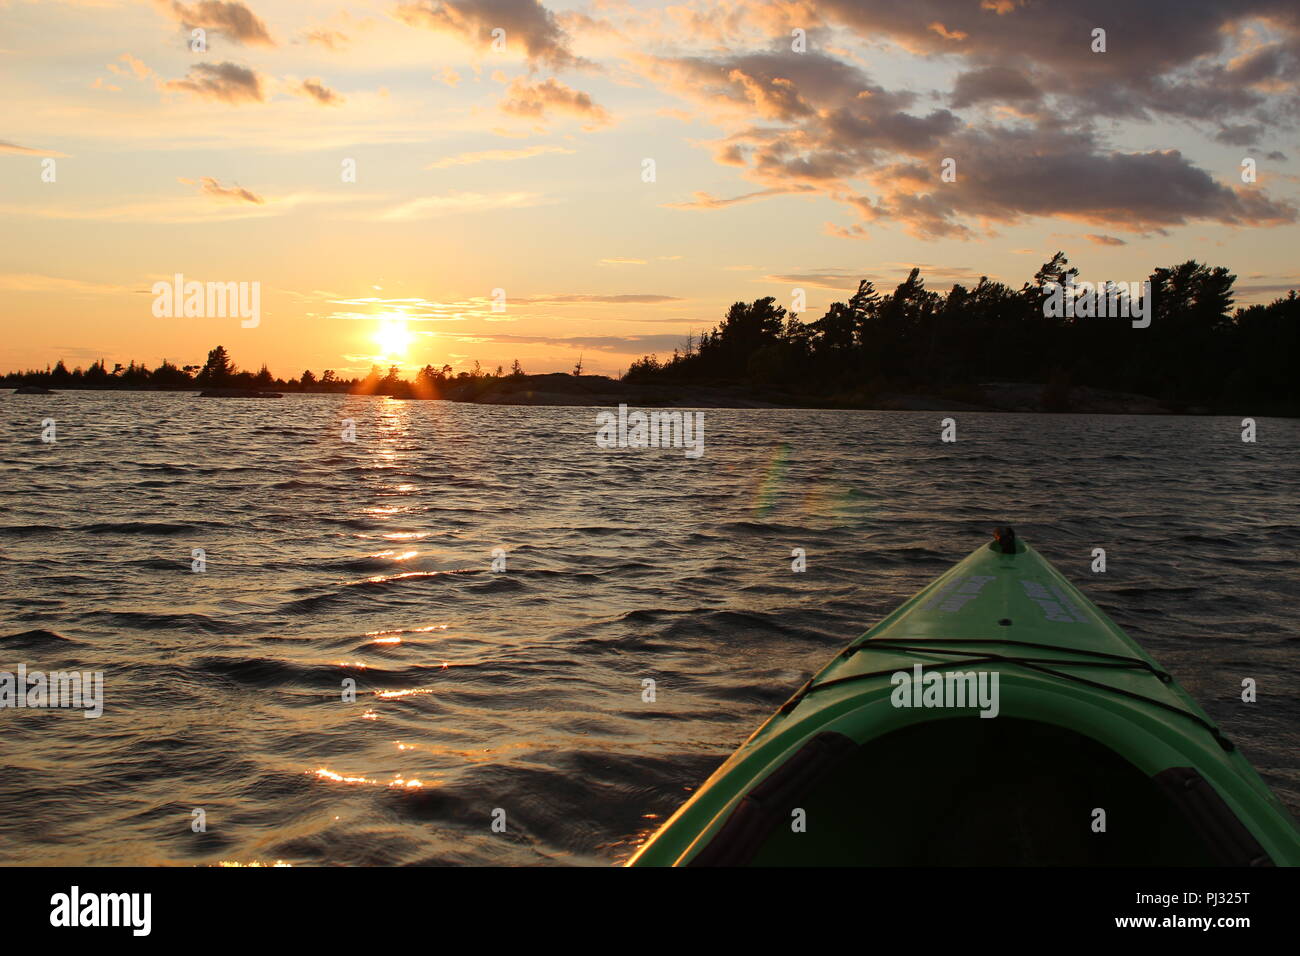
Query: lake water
pixel 522 690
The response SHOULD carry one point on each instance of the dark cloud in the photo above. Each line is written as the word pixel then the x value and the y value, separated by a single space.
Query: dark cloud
pixel 812 122
pixel 1005 175
pixel 233 20
pixel 529 26
pixel 838 121
pixel 1159 53
pixel 1241 135
pixel 998 84
pixel 1269 64
pixel 227 82
pixel 777 86
pixel 319 92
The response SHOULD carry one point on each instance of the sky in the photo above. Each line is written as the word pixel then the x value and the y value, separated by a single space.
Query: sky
pixel 416 182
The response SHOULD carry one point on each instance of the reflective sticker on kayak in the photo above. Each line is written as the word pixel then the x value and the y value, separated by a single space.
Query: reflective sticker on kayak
pixel 1056 604
pixel 954 595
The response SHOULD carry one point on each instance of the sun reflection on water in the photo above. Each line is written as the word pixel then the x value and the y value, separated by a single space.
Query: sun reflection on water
pixel 398 782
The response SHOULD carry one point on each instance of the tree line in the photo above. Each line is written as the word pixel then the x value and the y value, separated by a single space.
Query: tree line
pixel 220 371
pixel 1197 349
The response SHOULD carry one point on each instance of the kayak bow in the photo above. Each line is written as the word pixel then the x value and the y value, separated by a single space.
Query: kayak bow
pixel 999 718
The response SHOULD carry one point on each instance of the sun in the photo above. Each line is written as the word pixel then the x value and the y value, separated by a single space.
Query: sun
pixel 393 337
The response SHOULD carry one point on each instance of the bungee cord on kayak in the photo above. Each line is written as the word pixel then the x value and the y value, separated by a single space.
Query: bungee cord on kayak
pixel 1033 663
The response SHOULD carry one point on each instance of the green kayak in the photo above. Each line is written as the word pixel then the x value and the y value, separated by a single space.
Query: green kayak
pixel 996 718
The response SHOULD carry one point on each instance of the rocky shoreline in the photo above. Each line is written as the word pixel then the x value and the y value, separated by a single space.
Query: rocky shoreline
pixel 989 397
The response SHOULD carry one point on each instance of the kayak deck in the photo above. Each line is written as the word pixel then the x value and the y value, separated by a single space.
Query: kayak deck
pixel 900 770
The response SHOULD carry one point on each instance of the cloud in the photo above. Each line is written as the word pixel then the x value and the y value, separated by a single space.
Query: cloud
pixel 318 91
pixel 529 26
pixel 884 275
pixel 622 344
pixel 770 85
pixel 809 119
pixel 73 353
pixel 365 308
pixel 7 147
pixel 1264 293
pixel 211 187
pixel 1162 55
pixel 541 100
pixel 410 309
pixel 1005 175
pixel 625 299
pixel 818 122
pixel 134 67
pixel 35 282
pixel 226 82
pixel 704 200
pixel 1104 240
pixel 1240 134
pixel 170 209
pixel 810 123
pixel 851 231
pixel 623 262
pixel 822 279
pixel 428 207
pixel 996 83
pixel 329 39
pixel 233 20
pixel 496 156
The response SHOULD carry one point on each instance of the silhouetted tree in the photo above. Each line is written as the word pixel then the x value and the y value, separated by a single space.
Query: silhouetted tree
pixel 1194 350
pixel 218 369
